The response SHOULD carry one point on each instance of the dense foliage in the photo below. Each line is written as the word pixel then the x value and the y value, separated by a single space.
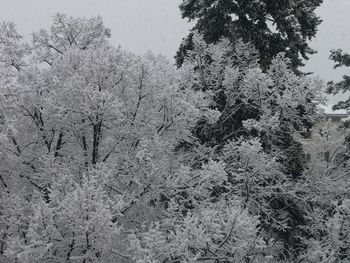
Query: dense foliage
pixel 110 157
pixel 271 26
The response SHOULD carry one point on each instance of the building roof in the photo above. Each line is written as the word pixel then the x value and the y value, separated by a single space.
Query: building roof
pixel 329 112
pixel 327 109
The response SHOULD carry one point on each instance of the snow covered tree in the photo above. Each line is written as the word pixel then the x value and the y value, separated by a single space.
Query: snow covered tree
pixel 271 26
pixel 79 104
pixel 110 157
pixel 260 112
pixel 24 90
pixel 214 233
pixel 324 188
pixel 341 59
pixel 272 105
pixel 67 32
pixel 75 226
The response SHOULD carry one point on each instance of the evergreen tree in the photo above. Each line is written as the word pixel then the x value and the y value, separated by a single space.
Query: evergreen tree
pixel 273 26
pixel 261 112
pixel 110 157
pixel 341 59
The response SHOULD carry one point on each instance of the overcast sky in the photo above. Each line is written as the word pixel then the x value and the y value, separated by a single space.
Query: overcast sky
pixel 141 25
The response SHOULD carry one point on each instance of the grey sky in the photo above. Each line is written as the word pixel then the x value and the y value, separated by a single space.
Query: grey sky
pixel 137 25
pixel 141 25
pixel 333 33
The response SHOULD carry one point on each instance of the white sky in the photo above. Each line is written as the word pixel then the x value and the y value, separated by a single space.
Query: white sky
pixel 141 25
pixel 137 25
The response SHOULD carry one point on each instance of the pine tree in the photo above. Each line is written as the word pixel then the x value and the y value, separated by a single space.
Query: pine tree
pixel 341 59
pixel 271 26
pixel 260 114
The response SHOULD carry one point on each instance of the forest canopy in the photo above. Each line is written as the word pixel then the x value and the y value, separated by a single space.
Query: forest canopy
pixel 106 156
